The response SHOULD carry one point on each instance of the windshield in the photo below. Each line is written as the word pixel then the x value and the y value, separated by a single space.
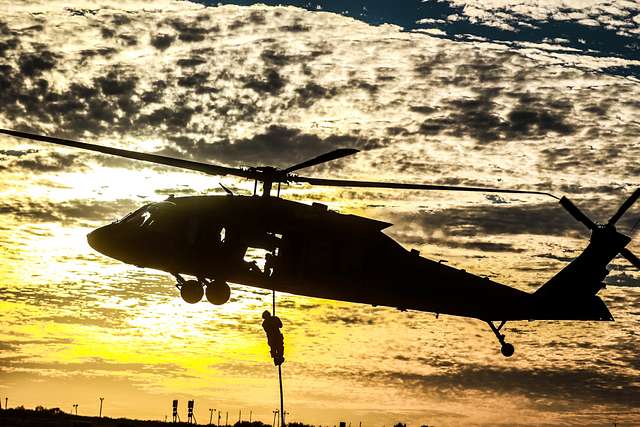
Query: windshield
pixel 148 214
pixel 155 212
pixel 130 215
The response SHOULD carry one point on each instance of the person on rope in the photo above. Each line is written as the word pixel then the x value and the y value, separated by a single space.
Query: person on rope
pixel 275 339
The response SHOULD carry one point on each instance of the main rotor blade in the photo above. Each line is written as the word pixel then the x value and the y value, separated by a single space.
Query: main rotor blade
pixel 625 206
pixel 153 158
pixel 326 157
pixel 406 186
pixel 577 213
pixel 630 257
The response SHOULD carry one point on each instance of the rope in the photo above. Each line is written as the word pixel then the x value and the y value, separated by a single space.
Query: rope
pixel 282 424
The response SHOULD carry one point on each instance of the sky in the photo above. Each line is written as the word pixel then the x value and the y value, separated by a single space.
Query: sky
pixel 531 95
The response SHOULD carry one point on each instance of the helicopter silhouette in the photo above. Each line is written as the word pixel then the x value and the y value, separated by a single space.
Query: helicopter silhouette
pixel 313 251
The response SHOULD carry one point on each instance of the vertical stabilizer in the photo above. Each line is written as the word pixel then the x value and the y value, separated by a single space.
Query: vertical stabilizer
pixel 572 293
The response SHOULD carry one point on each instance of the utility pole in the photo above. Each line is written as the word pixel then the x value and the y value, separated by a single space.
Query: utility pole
pixel 275 414
pixel 75 406
pixel 240 416
pixel 174 410
pixel 101 399
pixel 211 415
pixel 219 415
pixel 250 414
pixel 226 423
pixel 190 417
pixel 6 403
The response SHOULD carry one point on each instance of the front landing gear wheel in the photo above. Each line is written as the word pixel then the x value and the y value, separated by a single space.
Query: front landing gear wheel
pixel 507 349
pixel 218 292
pixel 191 291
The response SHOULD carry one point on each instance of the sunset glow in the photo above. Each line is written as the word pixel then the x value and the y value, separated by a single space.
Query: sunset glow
pixel 242 85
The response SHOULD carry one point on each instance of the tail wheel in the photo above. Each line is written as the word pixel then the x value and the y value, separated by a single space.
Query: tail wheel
pixel 191 291
pixel 218 292
pixel 507 349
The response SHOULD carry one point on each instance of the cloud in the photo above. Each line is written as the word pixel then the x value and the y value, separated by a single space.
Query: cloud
pixel 72 210
pixel 569 386
pixel 475 245
pixel 162 41
pixel 312 92
pixel 106 52
pixel 623 279
pixel 483 119
pixel 111 320
pixel 295 27
pixel 191 62
pixel 43 162
pixel 271 82
pixel 17 153
pixel 189 32
pixel 278 145
pixel 534 219
pixel 107 33
pixel 350 317
pixel 80 12
pixel 128 39
pixel 168 118
pixel 116 83
pixel 8 45
pixel 119 19
pixel 194 80
pixel 599 28
pixel 33 64
pixel 75 110
pixel 96 364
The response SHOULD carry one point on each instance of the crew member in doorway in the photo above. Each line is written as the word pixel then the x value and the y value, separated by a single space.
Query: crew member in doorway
pixel 275 339
pixel 269 262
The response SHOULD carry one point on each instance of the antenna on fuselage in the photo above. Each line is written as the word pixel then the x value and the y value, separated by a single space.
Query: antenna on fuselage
pixel 226 190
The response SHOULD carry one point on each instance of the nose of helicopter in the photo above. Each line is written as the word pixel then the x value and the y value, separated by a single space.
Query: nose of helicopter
pixel 98 239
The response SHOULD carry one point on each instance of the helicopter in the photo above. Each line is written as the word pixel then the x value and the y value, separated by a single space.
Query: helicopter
pixel 312 251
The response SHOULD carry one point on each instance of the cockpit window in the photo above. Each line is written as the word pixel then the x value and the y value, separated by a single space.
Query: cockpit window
pixel 155 211
pixel 128 217
pixel 146 218
pixel 148 214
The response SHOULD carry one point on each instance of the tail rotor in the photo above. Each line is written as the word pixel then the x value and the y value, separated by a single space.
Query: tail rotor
pixel 629 256
pixel 624 207
pixel 607 232
pixel 577 213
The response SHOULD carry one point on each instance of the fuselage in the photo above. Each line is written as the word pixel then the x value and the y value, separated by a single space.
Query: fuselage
pixel 309 251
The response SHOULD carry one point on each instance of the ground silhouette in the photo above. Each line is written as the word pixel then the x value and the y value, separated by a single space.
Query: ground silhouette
pixel 54 417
